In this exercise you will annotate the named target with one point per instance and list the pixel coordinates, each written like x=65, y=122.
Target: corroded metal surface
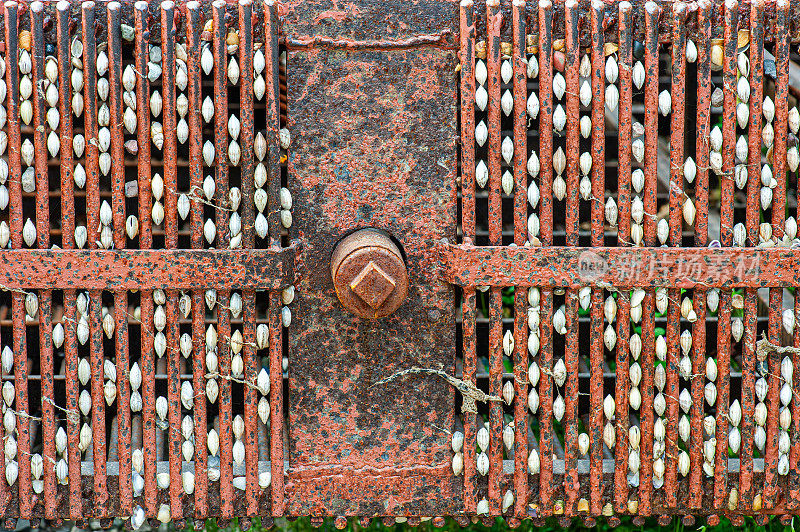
x=375, y=136
x=369, y=274
x=593, y=210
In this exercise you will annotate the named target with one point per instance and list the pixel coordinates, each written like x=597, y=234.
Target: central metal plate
x=374, y=137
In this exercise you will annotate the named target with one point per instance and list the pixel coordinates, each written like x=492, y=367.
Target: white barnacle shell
x=586, y=126
x=637, y=149
x=664, y=103
x=29, y=233
x=689, y=170
x=533, y=462
x=559, y=118
x=207, y=109
x=792, y=158
x=233, y=71
x=559, y=372
x=585, y=94
x=481, y=133
x=691, y=51
x=109, y=392
x=585, y=187
x=637, y=180
x=742, y=114
x=558, y=408
x=507, y=103
x=743, y=89
x=611, y=211
x=638, y=75
x=612, y=97
x=262, y=336
x=768, y=109
x=507, y=149
x=689, y=211
x=532, y=105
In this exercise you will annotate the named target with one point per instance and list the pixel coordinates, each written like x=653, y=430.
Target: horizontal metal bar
x=443, y=39
x=258, y=269
x=466, y=265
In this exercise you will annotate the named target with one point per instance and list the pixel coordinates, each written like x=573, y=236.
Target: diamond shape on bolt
x=373, y=285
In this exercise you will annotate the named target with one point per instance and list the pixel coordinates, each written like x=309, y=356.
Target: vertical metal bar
x=698, y=399
x=467, y=58
x=193, y=29
x=625, y=126
x=18, y=312
x=123, y=400
x=701, y=239
x=652, y=13
x=623, y=303
x=748, y=385
x=141, y=58
x=546, y=125
x=39, y=136
x=43, y=241
x=754, y=128
x=173, y=396
x=67, y=242
x=48, y=401
x=167, y=12
x=546, y=387
x=546, y=234
x=273, y=206
x=571, y=415
x=771, y=485
x=271, y=53
x=120, y=296
x=494, y=20
x=572, y=50
x=225, y=404
x=597, y=351
x=520, y=236
x=15, y=219
x=251, y=362
x=467, y=36
x=170, y=125
x=92, y=226
x=704, y=15
x=723, y=386
x=252, y=366
x=671, y=394
x=200, y=422
x=65, y=112
x=276, y=404
x=731, y=13
x=729, y=121
x=678, y=89
x=98, y=401
x=247, y=119
x=219, y=49
x=90, y=125
x=752, y=222
x=117, y=138
x=21, y=401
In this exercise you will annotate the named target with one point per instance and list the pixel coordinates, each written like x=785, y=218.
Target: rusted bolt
x=369, y=273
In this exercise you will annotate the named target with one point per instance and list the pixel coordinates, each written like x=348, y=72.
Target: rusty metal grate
x=624, y=264
x=634, y=320
x=136, y=381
